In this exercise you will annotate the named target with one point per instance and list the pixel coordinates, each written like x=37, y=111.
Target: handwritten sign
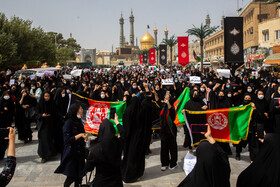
x=195, y=80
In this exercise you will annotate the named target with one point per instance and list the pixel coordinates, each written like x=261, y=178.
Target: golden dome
x=166, y=29
x=147, y=41
x=58, y=65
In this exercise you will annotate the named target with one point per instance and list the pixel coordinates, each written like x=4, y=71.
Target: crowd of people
x=46, y=101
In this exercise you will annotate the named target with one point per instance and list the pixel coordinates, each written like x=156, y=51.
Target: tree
x=272, y=1
x=171, y=42
x=8, y=49
x=201, y=33
x=64, y=54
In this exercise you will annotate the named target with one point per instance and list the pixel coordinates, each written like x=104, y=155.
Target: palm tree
x=202, y=32
x=156, y=47
x=171, y=42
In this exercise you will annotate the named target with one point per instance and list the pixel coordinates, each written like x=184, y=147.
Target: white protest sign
x=86, y=70
x=189, y=163
x=12, y=81
x=224, y=73
x=255, y=73
x=67, y=77
x=76, y=73
x=166, y=82
x=195, y=80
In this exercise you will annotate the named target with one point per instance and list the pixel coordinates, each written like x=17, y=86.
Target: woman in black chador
x=106, y=156
x=212, y=168
x=7, y=109
x=73, y=157
x=61, y=101
x=265, y=170
x=133, y=163
x=46, y=148
x=24, y=106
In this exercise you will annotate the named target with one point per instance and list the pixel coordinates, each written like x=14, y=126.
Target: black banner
x=233, y=40
x=162, y=54
x=145, y=57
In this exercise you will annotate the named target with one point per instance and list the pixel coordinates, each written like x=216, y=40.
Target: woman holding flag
x=168, y=134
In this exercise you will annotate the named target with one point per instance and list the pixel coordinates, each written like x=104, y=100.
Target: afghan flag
x=152, y=56
x=197, y=58
x=96, y=111
x=183, y=50
x=179, y=106
x=227, y=125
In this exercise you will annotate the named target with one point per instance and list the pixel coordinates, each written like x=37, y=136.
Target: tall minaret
x=166, y=33
x=155, y=32
x=121, y=31
x=208, y=20
x=222, y=22
x=131, y=20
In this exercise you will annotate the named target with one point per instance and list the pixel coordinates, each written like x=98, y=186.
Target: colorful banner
x=141, y=59
x=96, y=111
x=145, y=57
x=152, y=56
x=183, y=50
x=162, y=54
x=227, y=125
x=233, y=40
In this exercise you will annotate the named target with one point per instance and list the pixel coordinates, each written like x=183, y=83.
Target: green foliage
x=20, y=42
x=202, y=32
x=171, y=42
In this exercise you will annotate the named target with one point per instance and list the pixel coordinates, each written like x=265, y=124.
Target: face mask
x=134, y=87
x=6, y=97
x=229, y=95
x=228, y=86
x=202, y=89
x=249, y=90
x=246, y=102
x=128, y=82
x=176, y=81
x=279, y=92
x=221, y=97
x=157, y=89
x=64, y=82
x=84, y=85
x=278, y=80
x=78, y=116
x=102, y=96
x=22, y=85
x=33, y=88
x=260, y=97
x=62, y=95
x=68, y=91
x=195, y=96
x=110, y=79
x=122, y=82
x=245, y=82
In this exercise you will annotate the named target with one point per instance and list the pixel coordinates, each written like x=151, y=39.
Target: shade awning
x=273, y=59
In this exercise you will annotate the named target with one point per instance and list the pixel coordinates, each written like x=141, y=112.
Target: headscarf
x=265, y=170
x=212, y=167
x=72, y=116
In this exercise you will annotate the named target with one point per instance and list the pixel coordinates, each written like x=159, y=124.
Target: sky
x=95, y=23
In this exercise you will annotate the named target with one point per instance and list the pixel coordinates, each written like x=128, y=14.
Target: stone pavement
x=30, y=172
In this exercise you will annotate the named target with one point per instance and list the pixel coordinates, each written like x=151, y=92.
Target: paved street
x=30, y=172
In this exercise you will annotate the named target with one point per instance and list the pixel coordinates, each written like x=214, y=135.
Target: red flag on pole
x=141, y=59
x=152, y=56
x=183, y=50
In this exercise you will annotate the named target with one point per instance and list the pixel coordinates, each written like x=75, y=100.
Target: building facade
x=214, y=47
x=194, y=47
x=269, y=33
x=254, y=13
